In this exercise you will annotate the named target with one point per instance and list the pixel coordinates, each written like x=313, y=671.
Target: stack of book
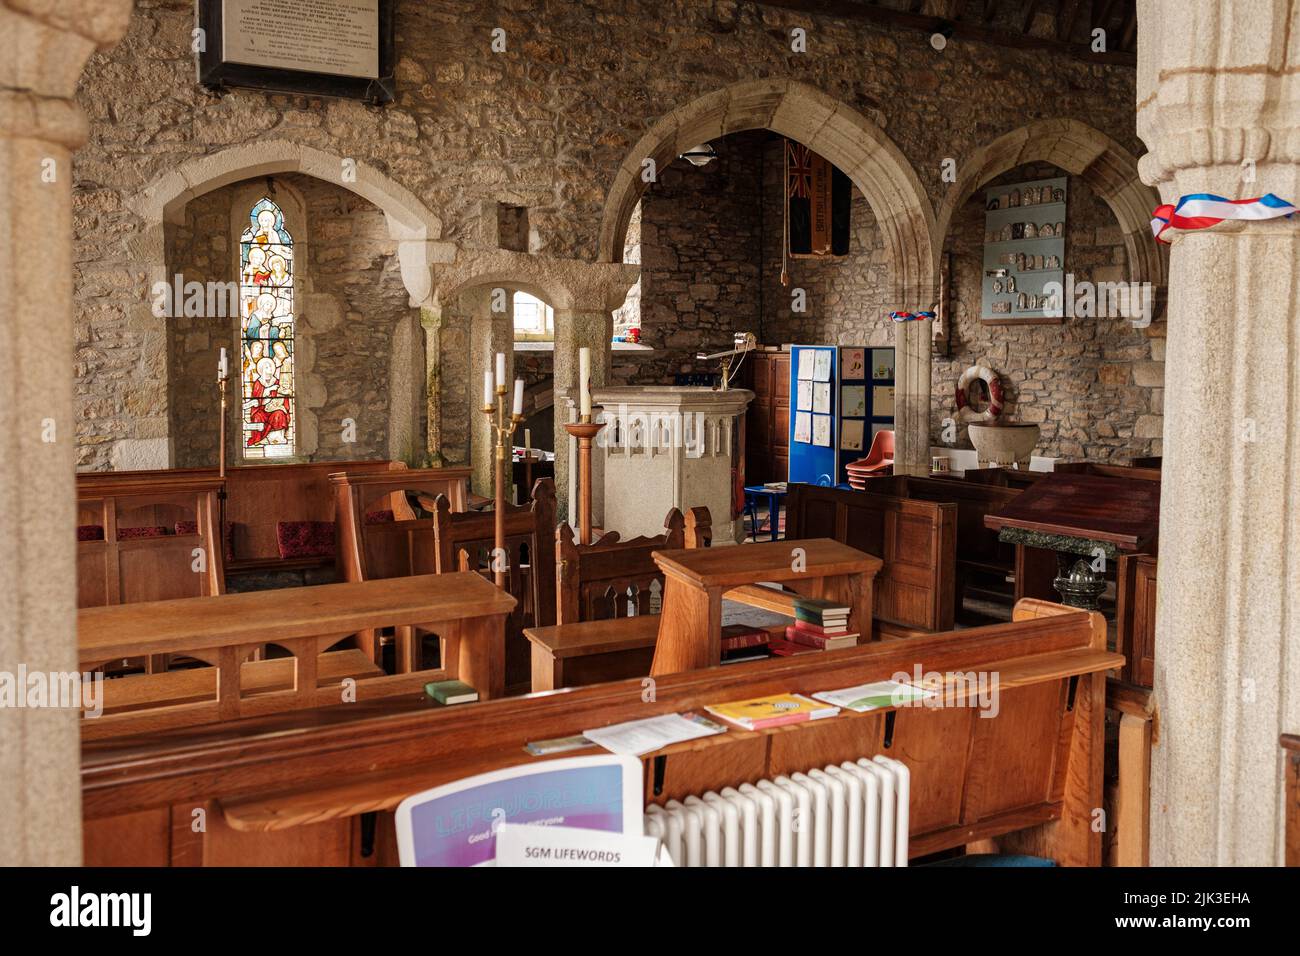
x=819, y=626
x=740, y=642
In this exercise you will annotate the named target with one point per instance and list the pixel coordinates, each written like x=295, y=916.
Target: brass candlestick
x=503, y=430
x=584, y=429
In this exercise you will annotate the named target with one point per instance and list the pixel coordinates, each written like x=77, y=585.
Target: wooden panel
x=315, y=844
x=825, y=742
x=1026, y=732
x=142, y=838
x=916, y=541
x=295, y=770
x=924, y=739
x=710, y=768
x=1291, y=754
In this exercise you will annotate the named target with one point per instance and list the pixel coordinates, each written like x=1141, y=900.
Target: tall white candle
x=488, y=392
x=528, y=441
x=501, y=369
x=584, y=381
x=223, y=367
x=519, y=397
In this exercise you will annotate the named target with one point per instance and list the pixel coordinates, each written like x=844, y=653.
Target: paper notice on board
x=822, y=397
x=822, y=430
x=804, y=398
x=882, y=401
x=806, y=365
x=853, y=401
x=853, y=363
x=851, y=435
x=803, y=427
x=822, y=365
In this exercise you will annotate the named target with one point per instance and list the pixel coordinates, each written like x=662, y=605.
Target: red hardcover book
x=818, y=641
x=784, y=648
x=738, y=636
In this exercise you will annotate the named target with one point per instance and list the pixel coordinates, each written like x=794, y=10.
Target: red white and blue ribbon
x=1202, y=210
x=910, y=316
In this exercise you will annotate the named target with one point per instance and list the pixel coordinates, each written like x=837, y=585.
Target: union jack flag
x=800, y=158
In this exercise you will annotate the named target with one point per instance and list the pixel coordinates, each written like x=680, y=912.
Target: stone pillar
x=576, y=329
x=912, y=397
x=47, y=44
x=1219, y=109
x=492, y=330
x=431, y=322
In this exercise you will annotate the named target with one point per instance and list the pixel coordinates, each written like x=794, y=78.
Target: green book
x=451, y=692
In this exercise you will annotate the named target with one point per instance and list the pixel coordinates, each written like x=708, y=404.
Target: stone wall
x=350, y=299
x=543, y=125
x=1093, y=384
x=698, y=243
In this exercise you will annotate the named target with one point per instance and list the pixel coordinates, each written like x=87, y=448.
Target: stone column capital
x=50, y=41
x=1219, y=105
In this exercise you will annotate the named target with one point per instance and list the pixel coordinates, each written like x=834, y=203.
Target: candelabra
x=503, y=430
x=584, y=429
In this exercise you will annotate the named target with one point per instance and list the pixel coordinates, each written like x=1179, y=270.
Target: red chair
x=880, y=459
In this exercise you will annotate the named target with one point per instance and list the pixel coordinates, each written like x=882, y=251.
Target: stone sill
x=526, y=346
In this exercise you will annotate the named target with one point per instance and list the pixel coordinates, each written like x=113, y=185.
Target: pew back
x=611, y=578
x=379, y=533
x=147, y=539
x=465, y=542
x=915, y=539
x=289, y=789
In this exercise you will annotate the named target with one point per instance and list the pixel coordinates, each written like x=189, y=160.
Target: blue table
x=774, y=496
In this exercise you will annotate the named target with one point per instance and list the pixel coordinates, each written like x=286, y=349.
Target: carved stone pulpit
x=666, y=447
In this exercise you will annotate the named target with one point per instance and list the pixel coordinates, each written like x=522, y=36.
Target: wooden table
x=690, y=628
x=1088, y=515
x=466, y=611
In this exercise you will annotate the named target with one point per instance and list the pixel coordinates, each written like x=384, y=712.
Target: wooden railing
x=466, y=612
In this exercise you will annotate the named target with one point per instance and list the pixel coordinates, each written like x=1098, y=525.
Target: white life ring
x=994, y=385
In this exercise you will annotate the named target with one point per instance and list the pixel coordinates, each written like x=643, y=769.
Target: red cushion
x=187, y=527
x=125, y=534
x=90, y=532
x=380, y=517
x=305, y=539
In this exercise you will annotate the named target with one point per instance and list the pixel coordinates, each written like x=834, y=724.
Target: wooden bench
x=465, y=542
x=467, y=613
x=916, y=540
x=319, y=788
x=194, y=684
x=258, y=498
x=607, y=605
x=147, y=539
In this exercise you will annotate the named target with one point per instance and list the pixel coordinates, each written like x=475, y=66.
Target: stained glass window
x=266, y=333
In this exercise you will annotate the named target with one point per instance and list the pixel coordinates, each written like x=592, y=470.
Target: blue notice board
x=866, y=402
x=814, y=414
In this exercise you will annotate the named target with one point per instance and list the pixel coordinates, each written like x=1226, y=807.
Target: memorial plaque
x=325, y=47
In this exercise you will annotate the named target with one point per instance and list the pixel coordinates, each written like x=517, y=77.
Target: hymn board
x=322, y=47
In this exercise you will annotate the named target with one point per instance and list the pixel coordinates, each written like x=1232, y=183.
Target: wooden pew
x=467, y=612
x=607, y=611
x=379, y=533
x=147, y=539
x=299, y=788
x=465, y=542
x=916, y=540
x=1131, y=830
x=1291, y=754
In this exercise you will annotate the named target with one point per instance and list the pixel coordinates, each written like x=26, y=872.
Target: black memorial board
x=341, y=48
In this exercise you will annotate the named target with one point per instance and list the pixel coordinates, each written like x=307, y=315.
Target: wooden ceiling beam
x=990, y=10
x=1129, y=32
x=964, y=29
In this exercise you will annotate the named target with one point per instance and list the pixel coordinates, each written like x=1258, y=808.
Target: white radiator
x=851, y=815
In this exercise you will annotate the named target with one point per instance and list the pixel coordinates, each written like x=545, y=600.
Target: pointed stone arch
x=1108, y=168
x=877, y=168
